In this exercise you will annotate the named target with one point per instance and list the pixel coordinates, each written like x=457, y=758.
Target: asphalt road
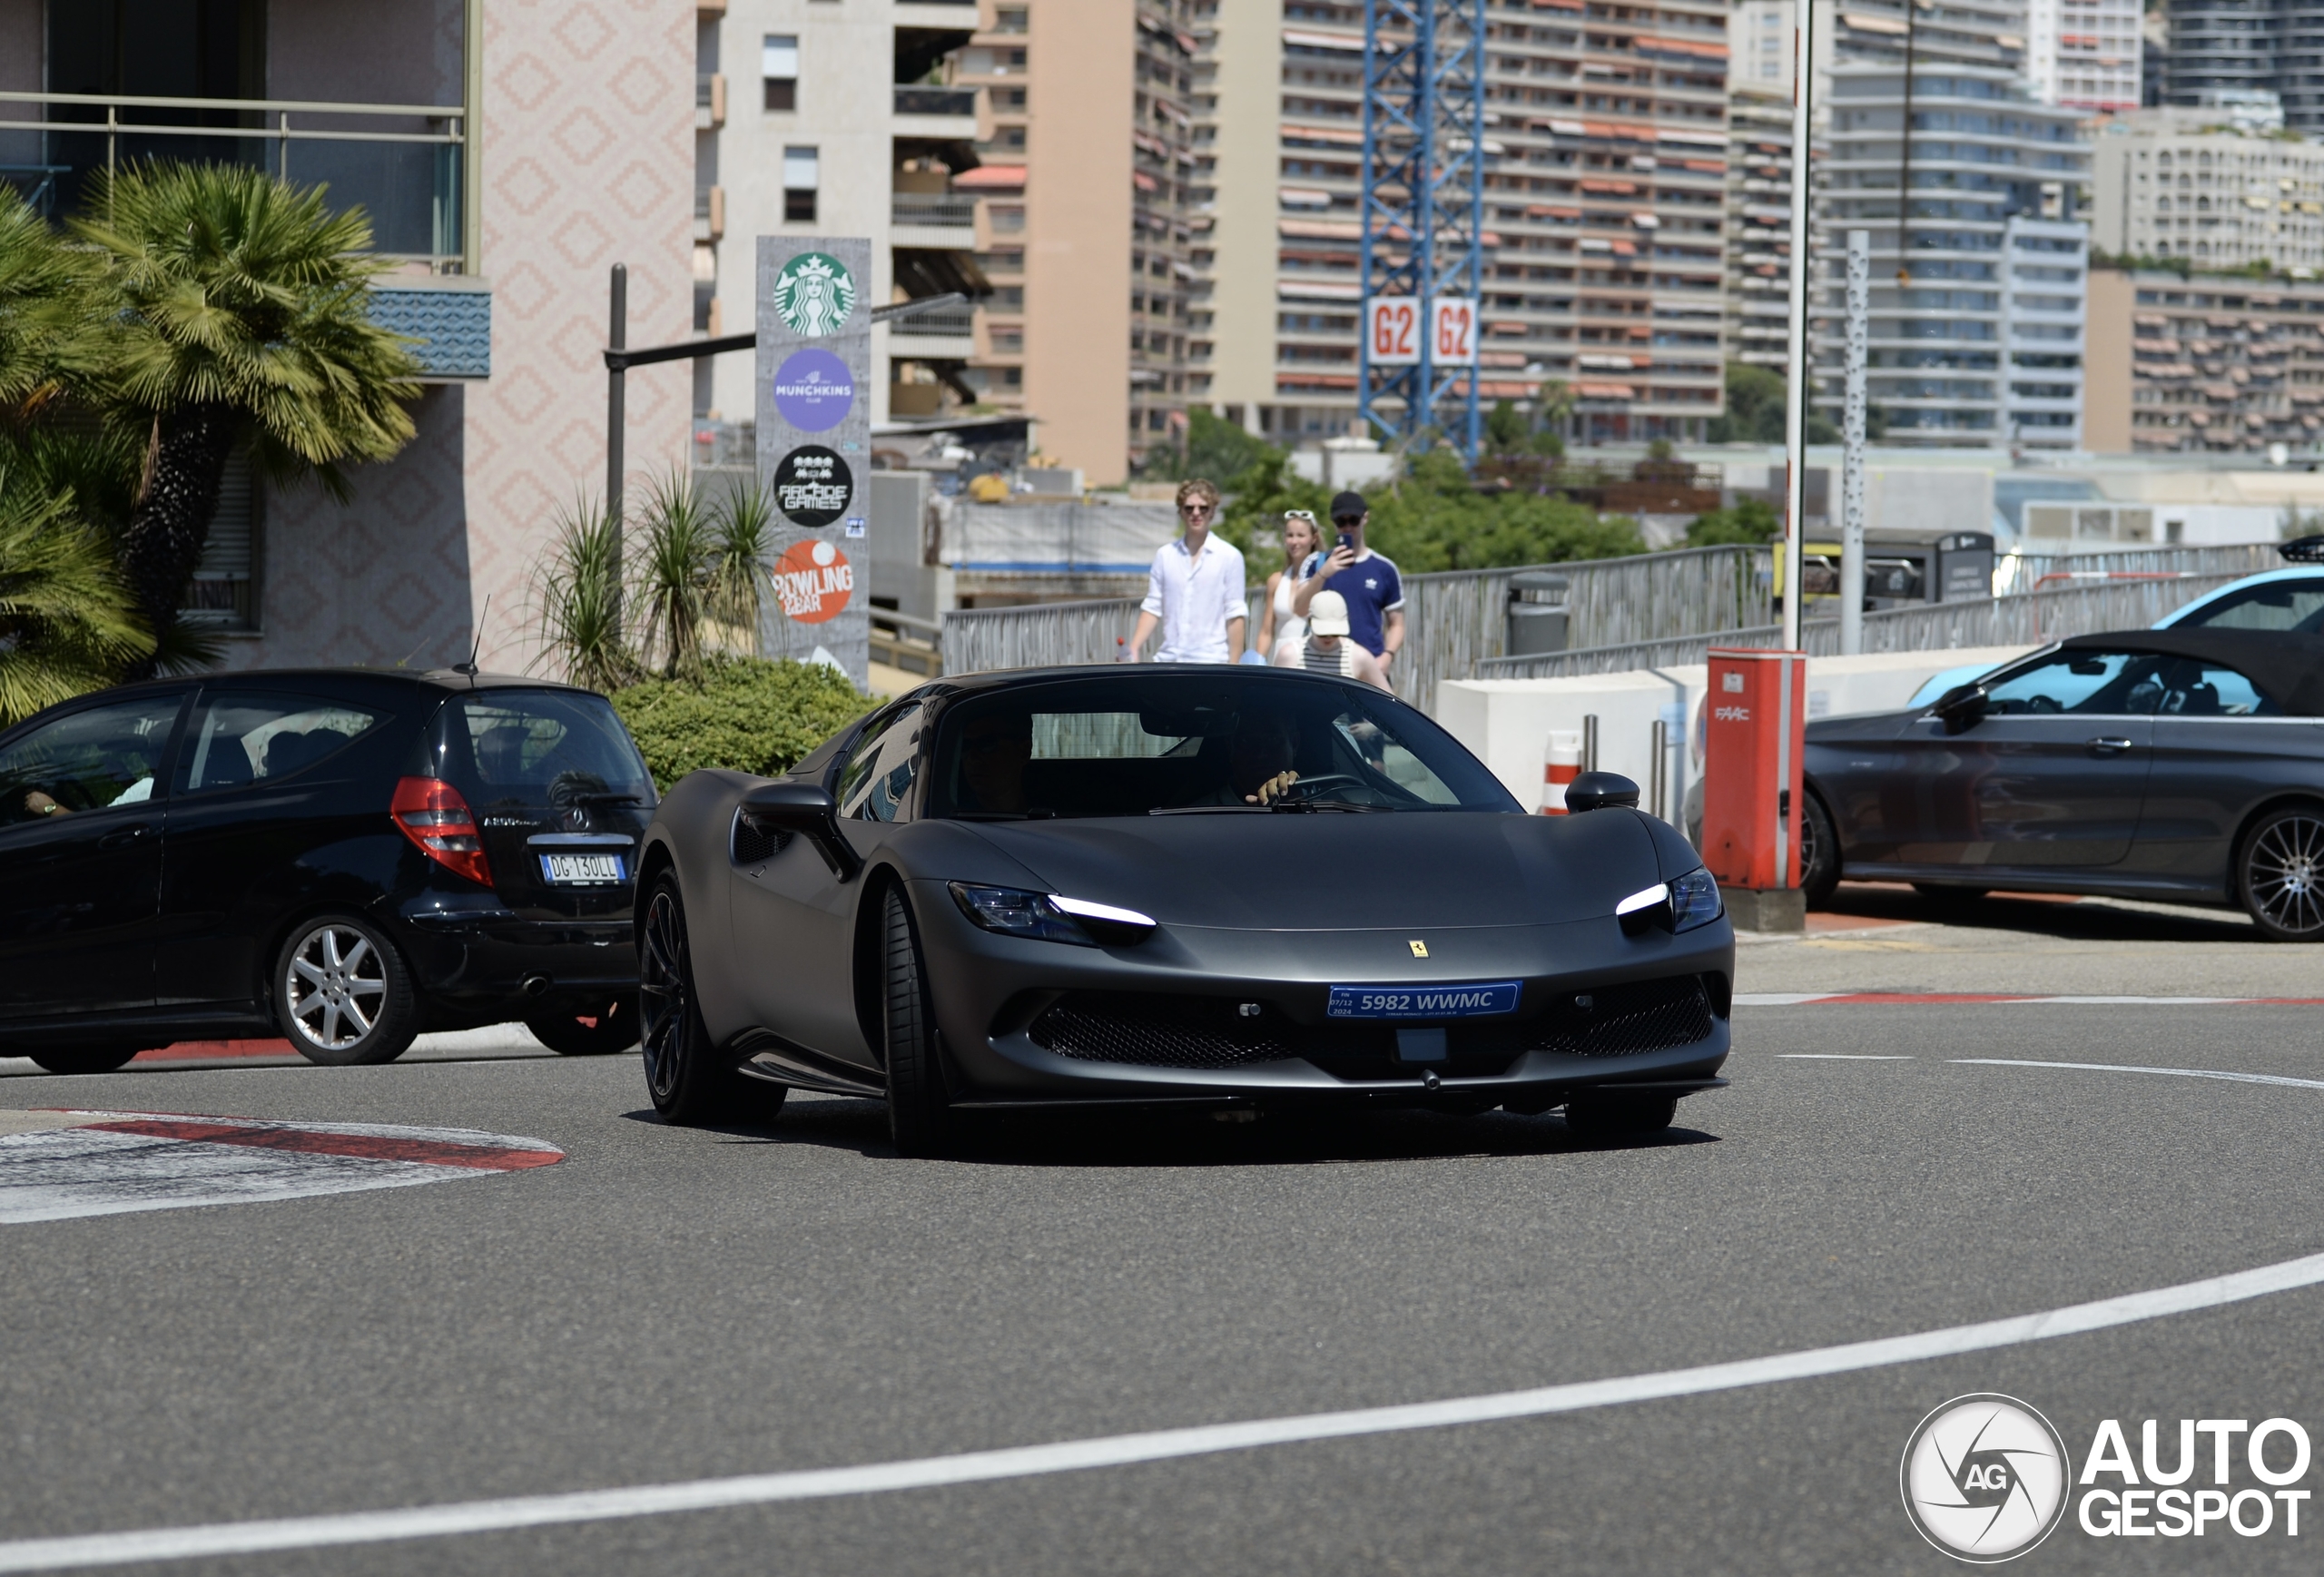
x=669, y=1304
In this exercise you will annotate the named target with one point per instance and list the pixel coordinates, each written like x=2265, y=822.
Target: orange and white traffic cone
x=1561, y=764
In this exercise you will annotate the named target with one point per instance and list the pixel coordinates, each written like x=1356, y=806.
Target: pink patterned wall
x=588, y=160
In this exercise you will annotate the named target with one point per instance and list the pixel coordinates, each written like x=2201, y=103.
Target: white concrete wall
x=1506, y=722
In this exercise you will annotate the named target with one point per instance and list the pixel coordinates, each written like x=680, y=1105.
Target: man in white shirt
x=1195, y=590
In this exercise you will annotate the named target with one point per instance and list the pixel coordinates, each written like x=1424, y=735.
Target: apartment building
x=2203, y=363
x=1978, y=33
x=2084, y=52
x=2245, y=47
x=1977, y=322
x=814, y=118
x=508, y=155
x=2179, y=183
x=1758, y=229
x=1605, y=164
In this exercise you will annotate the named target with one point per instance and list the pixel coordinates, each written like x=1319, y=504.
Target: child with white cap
x=1327, y=648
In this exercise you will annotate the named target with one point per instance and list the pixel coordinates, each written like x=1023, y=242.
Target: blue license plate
x=1458, y=1001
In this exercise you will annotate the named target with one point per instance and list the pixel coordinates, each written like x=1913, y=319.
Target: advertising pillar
x=1754, y=732
x=815, y=444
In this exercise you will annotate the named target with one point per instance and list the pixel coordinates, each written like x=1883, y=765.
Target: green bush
x=743, y=714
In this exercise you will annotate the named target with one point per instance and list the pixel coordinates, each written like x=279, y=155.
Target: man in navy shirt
x=1365, y=580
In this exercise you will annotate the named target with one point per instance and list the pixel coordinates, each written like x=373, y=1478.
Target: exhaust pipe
x=537, y=985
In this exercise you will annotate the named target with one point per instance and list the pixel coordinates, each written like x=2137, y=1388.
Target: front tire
x=613, y=1027
x=1819, y=852
x=918, y=1123
x=686, y=1077
x=2280, y=874
x=1613, y=1114
x=342, y=996
x=84, y=1058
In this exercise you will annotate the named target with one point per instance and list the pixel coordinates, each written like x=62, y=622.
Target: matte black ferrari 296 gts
x=1232, y=886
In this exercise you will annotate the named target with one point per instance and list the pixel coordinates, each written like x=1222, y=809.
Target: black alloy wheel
x=1819, y=851
x=84, y=1058
x=2280, y=874
x=599, y=1029
x=1601, y=1117
x=686, y=1077
x=918, y=1124
x=342, y=996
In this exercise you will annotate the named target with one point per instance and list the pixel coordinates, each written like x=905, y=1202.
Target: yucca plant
x=67, y=625
x=742, y=541
x=233, y=304
x=577, y=602
x=673, y=584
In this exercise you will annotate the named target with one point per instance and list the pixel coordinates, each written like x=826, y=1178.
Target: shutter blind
x=222, y=594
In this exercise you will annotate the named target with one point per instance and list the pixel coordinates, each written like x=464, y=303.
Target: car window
x=2274, y=604
x=545, y=747
x=104, y=755
x=2202, y=689
x=241, y=738
x=2095, y=683
x=878, y=774
x=1129, y=745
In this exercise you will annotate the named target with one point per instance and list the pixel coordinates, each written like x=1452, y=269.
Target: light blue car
x=2292, y=598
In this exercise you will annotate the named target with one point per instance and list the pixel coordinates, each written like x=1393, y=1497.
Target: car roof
x=1013, y=678
x=2285, y=666
x=2289, y=572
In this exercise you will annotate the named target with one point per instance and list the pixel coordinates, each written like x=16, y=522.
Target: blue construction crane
x=1424, y=214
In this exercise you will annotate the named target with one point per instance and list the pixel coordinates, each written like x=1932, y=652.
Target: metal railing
x=933, y=208
x=2025, y=619
x=2023, y=570
x=935, y=101
x=408, y=181
x=940, y=323
x=977, y=640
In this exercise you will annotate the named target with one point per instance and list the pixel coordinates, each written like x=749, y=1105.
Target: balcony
x=936, y=221
x=403, y=164
x=709, y=212
x=709, y=101
x=940, y=324
x=919, y=100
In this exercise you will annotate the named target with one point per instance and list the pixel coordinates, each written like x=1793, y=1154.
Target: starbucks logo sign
x=815, y=293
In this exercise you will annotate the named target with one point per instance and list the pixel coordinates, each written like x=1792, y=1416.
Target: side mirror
x=1962, y=708
x=1595, y=791
x=808, y=810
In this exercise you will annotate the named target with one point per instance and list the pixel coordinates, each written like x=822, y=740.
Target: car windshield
x=1159, y=743
x=552, y=747
x=2272, y=605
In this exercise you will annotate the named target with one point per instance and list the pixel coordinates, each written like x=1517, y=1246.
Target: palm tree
x=235, y=306
x=67, y=625
x=44, y=312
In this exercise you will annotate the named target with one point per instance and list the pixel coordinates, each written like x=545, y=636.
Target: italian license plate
x=1457, y=1001
x=580, y=869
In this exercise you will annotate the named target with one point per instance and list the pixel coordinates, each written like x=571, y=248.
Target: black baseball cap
x=1349, y=507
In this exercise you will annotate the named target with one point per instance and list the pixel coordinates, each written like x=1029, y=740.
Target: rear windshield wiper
x=604, y=799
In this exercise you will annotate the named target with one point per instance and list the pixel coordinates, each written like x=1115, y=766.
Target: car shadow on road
x=1097, y=1139
x=2064, y=918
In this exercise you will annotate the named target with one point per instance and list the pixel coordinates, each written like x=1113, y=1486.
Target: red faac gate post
x=1754, y=733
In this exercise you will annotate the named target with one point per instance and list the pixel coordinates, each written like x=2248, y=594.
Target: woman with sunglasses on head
x=1278, y=624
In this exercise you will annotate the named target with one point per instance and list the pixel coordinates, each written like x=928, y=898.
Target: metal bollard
x=1659, y=771
x=1590, y=742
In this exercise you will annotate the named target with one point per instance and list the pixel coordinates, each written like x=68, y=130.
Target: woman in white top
x=1278, y=625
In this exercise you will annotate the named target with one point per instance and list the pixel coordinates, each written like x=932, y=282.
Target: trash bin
x=1538, y=615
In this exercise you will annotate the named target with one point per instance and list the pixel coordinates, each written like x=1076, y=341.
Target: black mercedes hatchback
x=341, y=857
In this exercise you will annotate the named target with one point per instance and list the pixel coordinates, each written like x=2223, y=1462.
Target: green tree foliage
x=1509, y=431
x=1436, y=518
x=1755, y=409
x=67, y=625
x=1218, y=449
x=1751, y=520
x=225, y=304
x=743, y=714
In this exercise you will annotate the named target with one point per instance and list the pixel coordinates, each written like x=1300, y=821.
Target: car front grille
x=1156, y=1031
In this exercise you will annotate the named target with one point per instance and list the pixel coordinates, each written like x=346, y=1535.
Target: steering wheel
x=2044, y=706
x=1305, y=787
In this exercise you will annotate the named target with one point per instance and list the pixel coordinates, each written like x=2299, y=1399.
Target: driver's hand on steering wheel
x=1274, y=789
x=40, y=802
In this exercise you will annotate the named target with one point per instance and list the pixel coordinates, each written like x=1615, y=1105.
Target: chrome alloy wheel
x=662, y=994
x=2284, y=873
x=336, y=986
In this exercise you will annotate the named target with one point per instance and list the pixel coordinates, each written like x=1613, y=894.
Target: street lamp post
x=1795, y=408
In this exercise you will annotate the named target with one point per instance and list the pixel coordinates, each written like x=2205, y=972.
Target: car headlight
x=1014, y=913
x=1694, y=900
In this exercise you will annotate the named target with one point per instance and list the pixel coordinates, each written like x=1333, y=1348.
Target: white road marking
x=2129, y=1068
x=212, y=1540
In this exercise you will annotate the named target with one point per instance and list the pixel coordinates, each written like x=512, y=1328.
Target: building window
x=799, y=184
x=223, y=594
x=779, y=66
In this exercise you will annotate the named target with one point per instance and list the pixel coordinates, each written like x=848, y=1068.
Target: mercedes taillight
x=432, y=815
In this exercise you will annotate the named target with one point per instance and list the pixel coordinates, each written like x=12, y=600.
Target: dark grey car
x=2185, y=765
x=1170, y=885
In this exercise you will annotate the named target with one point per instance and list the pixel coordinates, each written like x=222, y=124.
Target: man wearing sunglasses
x=1195, y=590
